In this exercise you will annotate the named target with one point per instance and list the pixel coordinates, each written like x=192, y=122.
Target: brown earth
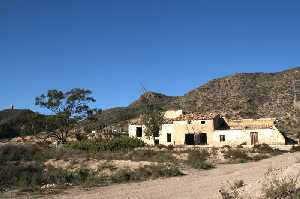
x=197, y=184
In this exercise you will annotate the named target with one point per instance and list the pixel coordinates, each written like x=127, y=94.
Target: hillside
x=15, y=122
x=242, y=95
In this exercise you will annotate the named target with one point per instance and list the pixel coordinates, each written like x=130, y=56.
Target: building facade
x=209, y=129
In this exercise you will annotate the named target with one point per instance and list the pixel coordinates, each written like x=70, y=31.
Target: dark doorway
x=139, y=132
x=189, y=139
x=169, y=137
x=156, y=142
x=201, y=139
x=254, y=138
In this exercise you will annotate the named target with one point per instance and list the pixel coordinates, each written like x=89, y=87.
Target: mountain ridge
x=241, y=95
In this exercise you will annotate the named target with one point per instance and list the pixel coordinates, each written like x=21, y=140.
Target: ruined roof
x=196, y=116
x=135, y=121
x=182, y=117
x=251, y=123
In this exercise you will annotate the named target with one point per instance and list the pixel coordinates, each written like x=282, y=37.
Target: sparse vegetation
x=265, y=148
x=236, y=155
x=123, y=143
x=22, y=166
x=295, y=149
x=232, y=192
x=152, y=156
x=274, y=187
x=198, y=160
x=281, y=188
x=146, y=172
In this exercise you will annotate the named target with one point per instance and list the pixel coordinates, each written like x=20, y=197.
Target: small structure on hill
x=210, y=129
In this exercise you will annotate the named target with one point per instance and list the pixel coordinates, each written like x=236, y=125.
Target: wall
x=236, y=137
x=232, y=137
x=165, y=129
x=182, y=127
x=132, y=133
x=172, y=114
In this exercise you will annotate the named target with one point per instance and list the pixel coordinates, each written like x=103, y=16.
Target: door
x=189, y=139
x=201, y=139
x=254, y=138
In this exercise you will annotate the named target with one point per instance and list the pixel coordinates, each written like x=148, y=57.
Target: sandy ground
x=196, y=184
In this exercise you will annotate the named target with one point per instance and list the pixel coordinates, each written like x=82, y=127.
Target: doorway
x=189, y=139
x=201, y=139
x=254, y=138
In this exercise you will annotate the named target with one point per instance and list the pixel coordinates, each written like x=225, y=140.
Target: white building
x=209, y=129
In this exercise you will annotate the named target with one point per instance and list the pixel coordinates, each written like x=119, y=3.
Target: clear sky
x=114, y=46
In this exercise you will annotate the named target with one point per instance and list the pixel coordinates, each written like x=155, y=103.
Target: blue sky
x=114, y=46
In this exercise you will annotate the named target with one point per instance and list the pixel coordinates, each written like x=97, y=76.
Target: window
x=139, y=132
x=222, y=138
x=202, y=122
x=168, y=137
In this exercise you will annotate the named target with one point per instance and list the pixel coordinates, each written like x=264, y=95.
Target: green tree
x=152, y=116
x=68, y=109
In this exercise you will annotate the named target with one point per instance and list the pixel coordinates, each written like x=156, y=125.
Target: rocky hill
x=16, y=122
x=242, y=95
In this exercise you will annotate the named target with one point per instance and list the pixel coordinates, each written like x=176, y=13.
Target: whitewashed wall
x=132, y=133
x=165, y=129
x=236, y=137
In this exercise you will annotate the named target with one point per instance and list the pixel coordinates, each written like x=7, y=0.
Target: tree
x=152, y=116
x=68, y=108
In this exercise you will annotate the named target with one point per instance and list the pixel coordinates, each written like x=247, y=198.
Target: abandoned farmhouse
x=209, y=129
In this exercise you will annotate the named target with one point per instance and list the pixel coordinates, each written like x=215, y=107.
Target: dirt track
x=196, y=184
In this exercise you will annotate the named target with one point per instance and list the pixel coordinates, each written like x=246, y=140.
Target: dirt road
x=196, y=184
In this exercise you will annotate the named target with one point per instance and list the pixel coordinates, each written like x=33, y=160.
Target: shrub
x=116, y=144
x=265, y=148
x=198, y=160
x=233, y=191
x=279, y=188
x=295, y=149
x=152, y=156
x=22, y=152
x=162, y=170
x=237, y=155
x=146, y=172
x=170, y=147
x=260, y=157
x=13, y=174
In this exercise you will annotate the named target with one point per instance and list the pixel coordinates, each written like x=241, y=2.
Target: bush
x=152, y=156
x=281, y=188
x=116, y=144
x=198, y=160
x=233, y=191
x=22, y=152
x=265, y=148
x=13, y=174
x=295, y=149
x=237, y=155
x=146, y=172
x=260, y=157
